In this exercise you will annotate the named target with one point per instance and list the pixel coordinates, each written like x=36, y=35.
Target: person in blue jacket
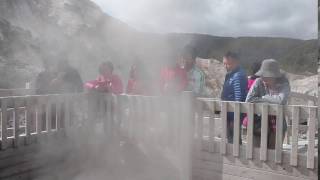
x=234, y=87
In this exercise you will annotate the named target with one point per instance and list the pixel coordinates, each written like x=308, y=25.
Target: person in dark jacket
x=42, y=83
x=67, y=79
x=234, y=87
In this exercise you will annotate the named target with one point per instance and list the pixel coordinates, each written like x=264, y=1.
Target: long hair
x=255, y=67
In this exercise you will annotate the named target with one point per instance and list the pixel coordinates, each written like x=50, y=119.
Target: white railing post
x=199, y=109
x=311, y=137
x=279, y=134
x=119, y=113
x=29, y=105
x=131, y=117
x=17, y=103
x=236, y=129
x=48, y=115
x=223, y=143
x=4, y=121
x=212, y=128
x=67, y=115
x=264, y=132
x=187, y=134
x=250, y=116
x=295, y=131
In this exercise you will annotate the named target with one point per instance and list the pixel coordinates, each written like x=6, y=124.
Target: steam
x=151, y=150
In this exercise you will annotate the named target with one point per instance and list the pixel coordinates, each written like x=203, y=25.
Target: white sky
x=272, y=18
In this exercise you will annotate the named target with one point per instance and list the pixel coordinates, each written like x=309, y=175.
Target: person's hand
x=56, y=82
x=58, y=79
x=104, y=87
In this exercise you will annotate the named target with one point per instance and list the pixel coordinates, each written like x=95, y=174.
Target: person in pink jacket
x=254, y=69
x=251, y=79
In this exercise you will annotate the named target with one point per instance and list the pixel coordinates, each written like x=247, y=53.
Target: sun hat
x=269, y=68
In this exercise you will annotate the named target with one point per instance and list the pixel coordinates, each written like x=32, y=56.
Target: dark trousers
x=271, y=131
x=230, y=125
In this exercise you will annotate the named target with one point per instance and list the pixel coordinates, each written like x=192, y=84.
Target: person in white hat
x=272, y=87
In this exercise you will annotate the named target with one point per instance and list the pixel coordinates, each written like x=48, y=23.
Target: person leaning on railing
x=173, y=78
x=106, y=82
x=139, y=80
x=274, y=88
x=195, y=76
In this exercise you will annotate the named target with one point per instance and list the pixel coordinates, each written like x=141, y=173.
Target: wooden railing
x=296, y=98
x=28, y=119
x=173, y=126
x=217, y=111
x=16, y=92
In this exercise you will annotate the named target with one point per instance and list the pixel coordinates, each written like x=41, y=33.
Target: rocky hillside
x=19, y=55
x=33, y=31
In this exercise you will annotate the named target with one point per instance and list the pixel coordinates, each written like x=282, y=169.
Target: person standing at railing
x=234, y=87
x=107, y=81
x=255, y=67
x=67, y=78
x=173, y=78
x=138, y=80
x=44, y=78
x=58, y=78
x=274, y=88
x=195, y=76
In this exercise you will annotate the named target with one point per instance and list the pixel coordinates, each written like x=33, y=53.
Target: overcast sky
x=275, y=18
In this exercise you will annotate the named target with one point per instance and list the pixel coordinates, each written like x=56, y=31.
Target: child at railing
x=272, y=87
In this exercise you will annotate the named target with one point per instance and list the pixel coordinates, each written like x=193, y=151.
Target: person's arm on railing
x=280, y=98
x=253, y=95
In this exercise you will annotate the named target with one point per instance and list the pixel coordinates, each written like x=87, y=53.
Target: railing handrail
x=303, y=96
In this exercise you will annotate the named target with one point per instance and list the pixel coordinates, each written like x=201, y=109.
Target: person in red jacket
x=106, y=81
x=173, y=79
